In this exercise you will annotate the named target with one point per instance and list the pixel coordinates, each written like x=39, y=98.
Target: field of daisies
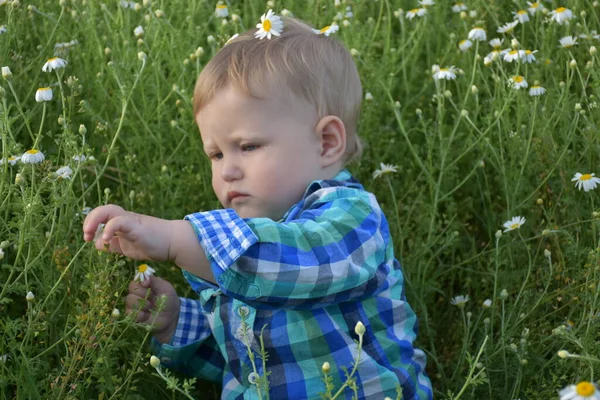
x=481, y=125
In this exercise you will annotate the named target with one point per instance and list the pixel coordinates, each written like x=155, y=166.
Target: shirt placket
x=245, y=341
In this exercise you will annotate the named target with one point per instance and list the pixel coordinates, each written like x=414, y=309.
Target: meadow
x=481, y=128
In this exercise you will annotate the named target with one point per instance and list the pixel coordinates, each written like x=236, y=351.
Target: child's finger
x=122, y=224
x=99, y=215
x=112, y=246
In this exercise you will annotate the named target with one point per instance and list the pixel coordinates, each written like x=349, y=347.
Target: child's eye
x=216, y=156
x=250, y=147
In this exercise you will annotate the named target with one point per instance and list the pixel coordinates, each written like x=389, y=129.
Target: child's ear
x=332, y=135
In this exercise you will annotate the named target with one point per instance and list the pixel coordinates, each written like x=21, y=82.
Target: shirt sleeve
x=192, y=349
x=335, y=250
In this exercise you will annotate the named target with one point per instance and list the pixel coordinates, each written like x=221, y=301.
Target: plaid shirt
x=307, y=279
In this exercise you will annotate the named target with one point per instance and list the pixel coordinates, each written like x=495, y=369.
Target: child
x=300, y=253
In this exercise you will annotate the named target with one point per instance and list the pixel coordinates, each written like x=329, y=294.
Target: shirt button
x=253, y=378
x=243, y=311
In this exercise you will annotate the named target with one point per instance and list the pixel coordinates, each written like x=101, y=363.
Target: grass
x=471, y=153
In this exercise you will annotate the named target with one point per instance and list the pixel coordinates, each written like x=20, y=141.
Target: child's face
x=265, y=150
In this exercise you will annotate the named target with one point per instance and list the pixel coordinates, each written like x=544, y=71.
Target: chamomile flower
x=521, y=16
x=127, y=4
x=426, y=3
x=517, y=82
x=416, y=12
x=568, y=41
x=528, y=56
x=477, y=33
x=32, y=156
x=385, y=169
x=496, y=43
x=54, y=63
x=465, y=45
x=43, y=94
x=459, y=301
x=221, y=10
x=534, y=7
x=12, y=160
x=561, y=15
x=487, y=303
x=269, y=25
x=80, y=157
x=586, y=182
x=138, y=31
x=64, y=172
x=144, y=271
x=508, y=27
x=582, y=391
x=592, y=35
x=514, y=223
x=445, y=73
x=2, y=29
x=536, y=90
x=459, y=6
x=513, y=55
x=328, y=30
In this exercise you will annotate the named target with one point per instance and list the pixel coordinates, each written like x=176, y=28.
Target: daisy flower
x=445, y=73
x=528, y=56
x=521, y=16
x=6, y=72
x=43, y=94
x=496, y=43
x=2, y=29
x=477, y=33
x=560, y=15
x=32, y=156
x=586, y=182
x=487, y=303
x=12, y=160
x=465, y=45
x=269, y=25
x=536, y=90
x=458, y=7
x=568, y=41
x=328, y=30
x=416, y=12
x=144, y=271
x=64, y=172
x=385, y=169
x=517, y=82
x=582, y=391
x=534, y=7
x=508, y=27
x=592, y=35
x=514, y=223
x=138, y=31
x=127, y=4
x=54, y=63
x=221, y=10
x=513, y=55
x=426, y=3
x=459, y=301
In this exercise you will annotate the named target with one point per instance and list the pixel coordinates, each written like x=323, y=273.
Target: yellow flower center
x=514, y=226
x=12, y=158
x=221, y=7
x=585, y=389
x=585, y=177
x=561, y=10
x=325, y=29
x=535, y=5
x=414, y=10
x=513, y=52
x=478, y=28
x=443, y=69
x=43, y=89
x=52, y=59
x=142, y=268
x=535, y=87
x=528, y=52
x=462, y=42
x=267, y=25
x=521, y=12
x=32, y=151
x=518, y=79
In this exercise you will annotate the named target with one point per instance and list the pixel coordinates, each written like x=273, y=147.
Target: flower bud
x=142, y=56
x=503, y=294
x=159, y=13
x=19, y=180
x=1, y=254
x=115, y=313
x=539, y=201
x=593, y=52
x=514, y=43
x=474, y=89
x=487, y=303
x=464, y=113
x=547, y=253
x=30, y=296
x=419, y=112
x=573, y=64
x=463, y=15
x=155, y=361
x=359, y=329
x=4, y=244
x=563, y=354
x=354, y=52
x=6, y=73
x=577, y=106
x=82, y=129
x=498, y=234
x=107, y=51
x=326, y=367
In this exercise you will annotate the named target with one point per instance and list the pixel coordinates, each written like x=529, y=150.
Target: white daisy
x=477, y=33
x=32, y=156
x=64, y=172
x=458, y=7
x=521, y=16
x=349, y=13
x=138, y=31
x=586, y=182
x=568, y=41
x=12, y=160
x=560, y=15
x=496, y=43
x=514, y=223
x=517, y=82
x=2, y=29
x=385, y=169
x=582, y=391
x=528, y=57
x=368, y=96
x=127, y=4
x=536, y=90
x=269, y=25
x=43, y=94
x=487, y=303
x=508, y=27
x=459, y=301
x=465, y=45
x=492, y=56
x=416, y=12
x=445, y=73
x=534, y=7
x=426, y=3
x=513, y=55
x=54, y=63
x=144, y=271
x=6, y=72
x=592, y=35
x=79, y=158
x=328, y=30
x=221, y=10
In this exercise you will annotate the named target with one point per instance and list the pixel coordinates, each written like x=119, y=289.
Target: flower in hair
x=328, y=30
x=270, y=24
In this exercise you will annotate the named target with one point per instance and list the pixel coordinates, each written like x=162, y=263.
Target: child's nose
x=230, y=171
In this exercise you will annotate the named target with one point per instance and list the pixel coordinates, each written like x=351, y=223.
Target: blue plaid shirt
x=307, y=279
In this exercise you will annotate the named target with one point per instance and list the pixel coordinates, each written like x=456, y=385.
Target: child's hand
x=152, y=289
x=136, y=236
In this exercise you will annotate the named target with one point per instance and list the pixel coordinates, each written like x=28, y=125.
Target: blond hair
x=314, y=67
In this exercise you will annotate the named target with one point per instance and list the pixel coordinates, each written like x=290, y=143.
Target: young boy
x=299, y=248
